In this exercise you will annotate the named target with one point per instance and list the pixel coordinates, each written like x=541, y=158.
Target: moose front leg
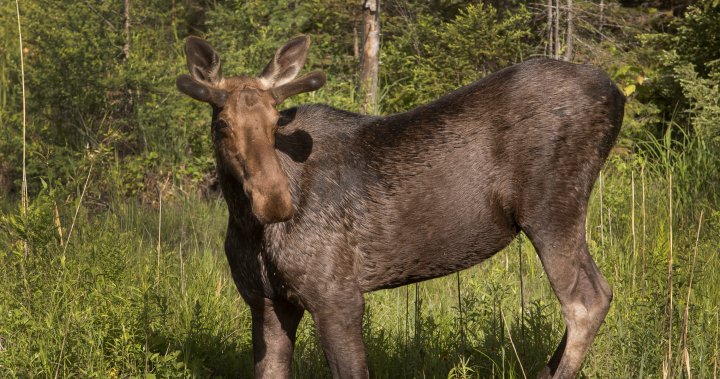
x=339, y=325
x=274, y=323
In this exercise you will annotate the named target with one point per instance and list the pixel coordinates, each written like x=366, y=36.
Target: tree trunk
x=128, y=103
x=557, y=30
x=550, y=27
x=356, y=44
x=570, y=31
x=602, y=18
x=126, y=46
x=370, y=55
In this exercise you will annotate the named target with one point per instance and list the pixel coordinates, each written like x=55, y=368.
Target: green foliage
x=692, y=45
x=685, y=92
x=703, y=95
x=98, y=100
x=247, y=33
x=83, y=93
x=436, y=56
x=697, y=38
x=115, y=301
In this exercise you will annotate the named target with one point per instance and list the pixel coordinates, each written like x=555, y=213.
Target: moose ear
x=202, y=61
x=200, y=91
x=310, y=82
x=205, y=71
x=287, y=62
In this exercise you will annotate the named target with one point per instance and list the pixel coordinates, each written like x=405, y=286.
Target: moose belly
x=433, y=239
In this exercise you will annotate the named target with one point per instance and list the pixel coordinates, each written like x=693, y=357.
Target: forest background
x=111, y=225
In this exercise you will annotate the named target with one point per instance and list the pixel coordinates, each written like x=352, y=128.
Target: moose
x=326, y=205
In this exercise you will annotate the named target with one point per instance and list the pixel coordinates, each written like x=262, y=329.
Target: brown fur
x=326, y=205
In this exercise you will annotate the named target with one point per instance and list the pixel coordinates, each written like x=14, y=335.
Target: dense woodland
x=111, y=225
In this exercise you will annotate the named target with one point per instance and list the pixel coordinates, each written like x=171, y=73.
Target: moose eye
x=219, y=124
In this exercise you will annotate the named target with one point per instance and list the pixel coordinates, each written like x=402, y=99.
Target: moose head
x=245, y=118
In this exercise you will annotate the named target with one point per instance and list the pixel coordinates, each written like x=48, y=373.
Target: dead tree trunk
x=126, y=29
x=370, y=59
x=557, y=30
x=570, y=31
x=602, y=17
x=356, y=44
x=550, y=27
x=128, y=104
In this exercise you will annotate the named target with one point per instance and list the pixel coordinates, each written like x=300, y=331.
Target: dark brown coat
x=347, y=204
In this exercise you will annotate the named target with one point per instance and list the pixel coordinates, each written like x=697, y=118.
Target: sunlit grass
x=105, y=310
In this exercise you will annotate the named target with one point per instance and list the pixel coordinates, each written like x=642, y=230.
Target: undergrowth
x=143, y=290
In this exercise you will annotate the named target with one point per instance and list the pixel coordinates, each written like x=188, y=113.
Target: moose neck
x=302, y=132
x=239, y=205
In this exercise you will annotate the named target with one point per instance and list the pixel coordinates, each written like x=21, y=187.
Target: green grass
x=111, y=304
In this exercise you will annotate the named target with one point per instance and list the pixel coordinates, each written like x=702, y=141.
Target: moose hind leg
x=274, y=323
x=583, y=292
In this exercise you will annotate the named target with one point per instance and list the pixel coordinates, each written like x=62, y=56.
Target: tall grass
x=144, y=290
